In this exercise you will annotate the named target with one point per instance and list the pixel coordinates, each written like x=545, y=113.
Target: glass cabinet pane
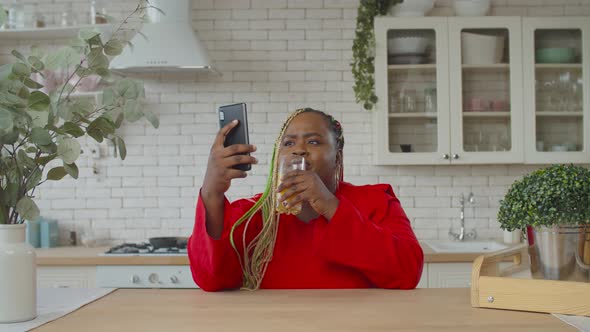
x=411, y=88
x=485, y=81
x=558, y=90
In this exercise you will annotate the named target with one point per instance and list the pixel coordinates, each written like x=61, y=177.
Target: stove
x=144, y=274
x=145, y=249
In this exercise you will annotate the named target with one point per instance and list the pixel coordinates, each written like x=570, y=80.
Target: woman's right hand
x=220, y=169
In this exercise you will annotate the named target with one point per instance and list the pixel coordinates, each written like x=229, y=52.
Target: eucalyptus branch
x=59, y=98
x=22, y=175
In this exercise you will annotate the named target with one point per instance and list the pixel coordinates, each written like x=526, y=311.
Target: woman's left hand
x=306, y=186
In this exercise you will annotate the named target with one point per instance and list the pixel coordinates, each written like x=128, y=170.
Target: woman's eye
x=313, y=141
x=287, y=143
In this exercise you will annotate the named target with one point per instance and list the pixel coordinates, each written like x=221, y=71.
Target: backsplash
x=276, y=55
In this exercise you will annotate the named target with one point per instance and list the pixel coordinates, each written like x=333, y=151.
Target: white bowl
x=471, y=7
x=406, y=45
x=412, y=8
x=479, y=49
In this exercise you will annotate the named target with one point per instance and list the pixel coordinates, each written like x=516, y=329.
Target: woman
x=345, y=236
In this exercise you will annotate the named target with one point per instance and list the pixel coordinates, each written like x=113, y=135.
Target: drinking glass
x=289, y=163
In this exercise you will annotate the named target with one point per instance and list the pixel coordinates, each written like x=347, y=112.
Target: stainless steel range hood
x=170, y=43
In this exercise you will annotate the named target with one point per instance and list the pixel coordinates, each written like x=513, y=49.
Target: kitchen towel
x=580, y=322
x=53, y=303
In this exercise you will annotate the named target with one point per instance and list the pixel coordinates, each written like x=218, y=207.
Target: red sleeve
x=214, y=263
x=376, y=239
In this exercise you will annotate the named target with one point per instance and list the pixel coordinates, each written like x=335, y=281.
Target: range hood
x=170, y=43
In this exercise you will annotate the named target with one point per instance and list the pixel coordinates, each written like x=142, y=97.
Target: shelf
x=558, y=66
x=50, y=32
x=493, y=66
x=427, y=66
x=85, y=94
x=413, y=115
x=486, y=114
x=559, y=114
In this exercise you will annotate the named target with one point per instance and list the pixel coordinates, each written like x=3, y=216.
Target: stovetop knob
x=135, y=279
x=174, y=279
x=153, y=278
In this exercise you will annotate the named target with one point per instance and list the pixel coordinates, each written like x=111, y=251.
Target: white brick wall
x=277, y=55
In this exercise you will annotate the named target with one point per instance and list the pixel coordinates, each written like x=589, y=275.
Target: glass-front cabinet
x=556, y=86
x=449, y=90
x=481, y=90
x=485, y=79
x=411, y=82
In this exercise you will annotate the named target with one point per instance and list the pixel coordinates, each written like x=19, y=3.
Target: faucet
x=462, y=235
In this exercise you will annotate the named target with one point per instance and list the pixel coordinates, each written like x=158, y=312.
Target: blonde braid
x=262, y=246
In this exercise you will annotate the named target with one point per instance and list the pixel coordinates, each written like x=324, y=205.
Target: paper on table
x=53, y=303
x=582, y=323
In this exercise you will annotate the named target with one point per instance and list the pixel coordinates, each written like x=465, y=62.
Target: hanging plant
x=363, y=50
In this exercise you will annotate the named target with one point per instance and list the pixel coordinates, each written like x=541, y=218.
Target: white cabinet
x=66, y=276
x=449, y=275
x=466, y=90
x=441, y=105
x=19, y=35
x=424, y=278
x=556, y=89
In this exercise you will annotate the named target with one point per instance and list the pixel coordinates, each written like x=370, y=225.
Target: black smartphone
x=239, y=134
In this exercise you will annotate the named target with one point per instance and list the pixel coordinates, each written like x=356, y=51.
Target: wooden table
x=433, y=309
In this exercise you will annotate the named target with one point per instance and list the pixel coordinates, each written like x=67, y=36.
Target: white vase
x=18, y=276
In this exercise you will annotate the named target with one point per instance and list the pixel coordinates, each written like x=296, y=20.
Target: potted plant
x=39, y=132
x=363, y=50
x=553, y=205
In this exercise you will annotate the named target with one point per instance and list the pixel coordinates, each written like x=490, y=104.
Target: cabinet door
x=411, y=79
x=449, y=275
x=66, y=276
x=424, y=278
x=557, y=86
x=485, y=65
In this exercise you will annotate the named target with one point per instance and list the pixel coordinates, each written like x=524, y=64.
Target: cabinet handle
x=455, y=156
x=446, y=156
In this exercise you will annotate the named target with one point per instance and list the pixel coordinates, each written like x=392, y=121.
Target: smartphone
x=239, y=134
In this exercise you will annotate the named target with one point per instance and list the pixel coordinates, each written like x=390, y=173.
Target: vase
x=560, y=252
x=18, y=276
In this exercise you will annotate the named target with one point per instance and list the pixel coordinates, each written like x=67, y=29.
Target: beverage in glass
x=288, y=163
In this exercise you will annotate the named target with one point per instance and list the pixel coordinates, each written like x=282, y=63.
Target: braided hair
x=258, y=253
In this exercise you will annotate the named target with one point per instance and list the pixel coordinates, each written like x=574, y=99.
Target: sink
x=467, y=246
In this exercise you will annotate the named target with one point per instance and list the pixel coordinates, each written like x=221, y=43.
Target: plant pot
x=18, y=276
x=560, y=252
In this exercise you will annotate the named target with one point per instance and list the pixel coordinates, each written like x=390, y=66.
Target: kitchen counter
x=82, y=256
x=297, y=310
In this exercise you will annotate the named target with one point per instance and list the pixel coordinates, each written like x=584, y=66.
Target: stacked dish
x=555, y=55
x=407, y=49
x=481, y=49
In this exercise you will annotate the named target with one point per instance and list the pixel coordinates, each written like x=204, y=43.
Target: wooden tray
x=512, y=287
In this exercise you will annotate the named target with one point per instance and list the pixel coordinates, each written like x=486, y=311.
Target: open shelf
x=50, y=32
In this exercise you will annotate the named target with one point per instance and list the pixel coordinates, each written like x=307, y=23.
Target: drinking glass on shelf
x=564, y=90
x=289, y=163
x=408, y=100
x=576, y=104
x=430, y=100
x=394, y=102
x=68, y=18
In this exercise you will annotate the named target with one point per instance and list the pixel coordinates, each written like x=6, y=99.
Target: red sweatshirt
x=368, y=243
